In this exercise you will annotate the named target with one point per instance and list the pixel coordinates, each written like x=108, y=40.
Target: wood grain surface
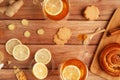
x=75, y=21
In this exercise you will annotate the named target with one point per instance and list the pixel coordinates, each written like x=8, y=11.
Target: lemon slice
x=21, y=52
x=10, y=44
x=43, y=56
x=40, y=71
x=53, y=7
x=71, y=72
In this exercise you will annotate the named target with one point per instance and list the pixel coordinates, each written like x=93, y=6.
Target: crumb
x=9, y=62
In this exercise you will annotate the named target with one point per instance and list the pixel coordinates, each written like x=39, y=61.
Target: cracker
x=59, y=41
x=91, y=12
x=64, y=33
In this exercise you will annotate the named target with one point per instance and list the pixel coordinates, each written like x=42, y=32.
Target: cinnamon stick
x=114, y=31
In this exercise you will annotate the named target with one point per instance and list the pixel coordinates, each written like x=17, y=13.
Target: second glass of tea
x=55, y=9
x=73, y=69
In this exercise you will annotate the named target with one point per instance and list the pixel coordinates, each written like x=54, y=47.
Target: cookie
x=59, y=41
x=64, y=33
x=91, y=12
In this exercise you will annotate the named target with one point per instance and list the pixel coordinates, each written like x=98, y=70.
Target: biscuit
x=91, y=12
x=64, y=33
x=59, y=41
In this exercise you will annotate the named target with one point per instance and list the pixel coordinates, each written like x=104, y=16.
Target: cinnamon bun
x=110, y=59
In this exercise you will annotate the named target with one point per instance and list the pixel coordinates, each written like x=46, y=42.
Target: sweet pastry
x=59, y=41
x=64, y=33
x=110, y=59
x=62, y=36
x=91, y=12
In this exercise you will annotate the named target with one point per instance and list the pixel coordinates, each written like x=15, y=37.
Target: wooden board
x=95, y=67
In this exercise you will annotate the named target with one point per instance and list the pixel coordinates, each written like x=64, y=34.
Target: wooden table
x=60, y=53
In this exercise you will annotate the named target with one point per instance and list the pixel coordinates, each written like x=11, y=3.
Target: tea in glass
x=73, y=69
x=55, y=9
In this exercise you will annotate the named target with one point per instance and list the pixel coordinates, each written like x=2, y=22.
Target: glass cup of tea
x=55, y=9
x=73, y=69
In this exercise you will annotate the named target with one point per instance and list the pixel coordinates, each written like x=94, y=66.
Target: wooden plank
x=95, y=68
x=30, y=11
x=53, y=75
x=59, y=55
x=50, y=27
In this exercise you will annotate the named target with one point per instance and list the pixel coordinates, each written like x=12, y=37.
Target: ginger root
x=13, y=8
x=1, y=1
x=3, y=9
x=12, y=1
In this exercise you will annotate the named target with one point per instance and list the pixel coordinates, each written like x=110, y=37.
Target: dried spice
x=19, y=74
x=82, y=37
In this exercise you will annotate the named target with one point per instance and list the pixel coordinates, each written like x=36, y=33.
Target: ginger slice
x=27, y=34
x=40, y=31
x=11, y=27
x=25, y=22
